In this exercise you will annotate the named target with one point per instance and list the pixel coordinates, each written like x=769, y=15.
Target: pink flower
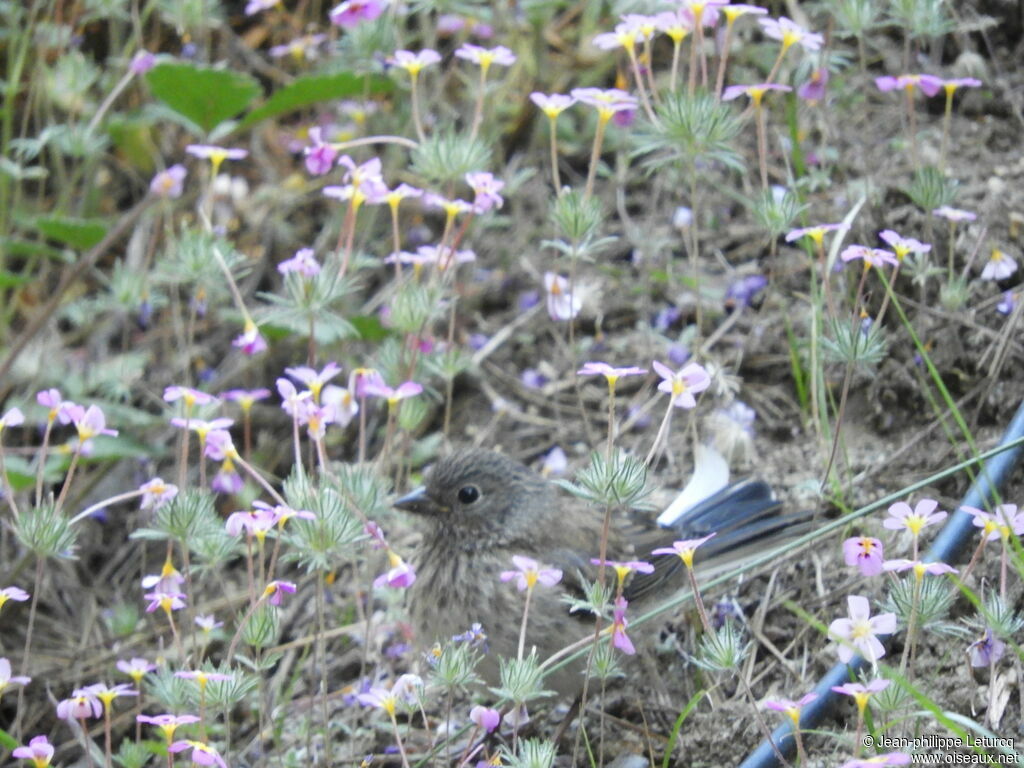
x=216, y=155
x=300, y=48
x=960, y=82
x=901, y=516
x=202, y=677
x=684, y=384
x=208, y=623
x=929, y=84
x=39, y=751
x=91, y=423
x=623, y=569
x=1004, y=518
x=404, y=390
x=529, y=573
x=82, y=704
x=349, y=14
x=167, y=723
x=401, y=575
x=245, y=397
x=816, y=233
x=858, y=632
x=257, y=522
x=251, y=342
x=13, y=418
x=999, y=266
x=135, y=668
x=485, y=718
x=7, y=679
x=314, y=380
x=619, y=637
x=789, y=33
x=873, y=257
x=789, y=707
x=188, y=395
x=685, y=549
x=202, y=754
x=865, y=553
x=170, y=183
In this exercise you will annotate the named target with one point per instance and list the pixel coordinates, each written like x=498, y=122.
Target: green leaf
x=14, y=246
x=314, y=89
x=78, y=233
x=204, y=95
x=369, y=328
x=11, y=280
x=134, y=141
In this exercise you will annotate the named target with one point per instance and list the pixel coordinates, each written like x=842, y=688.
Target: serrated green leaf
x=313, y=89
x=78, y=233
x=204, y=95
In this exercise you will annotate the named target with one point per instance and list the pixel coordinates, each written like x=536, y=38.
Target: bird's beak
x=418, y=502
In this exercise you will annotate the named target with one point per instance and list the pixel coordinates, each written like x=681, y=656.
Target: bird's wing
x=746, y=520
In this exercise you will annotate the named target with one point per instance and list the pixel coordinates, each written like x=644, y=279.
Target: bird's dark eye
x=468, y=494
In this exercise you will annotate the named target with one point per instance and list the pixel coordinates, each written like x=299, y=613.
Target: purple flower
x=216, y=155
x=168, y=601
x=684, y=548
x=320, y=154
x=529, y=572
x=903, y=245
x=552, y=104
x=251, y=342
x=889, y=758
x=624, y=568
x=485, y=718
x=91, y=423
x=999, y=266
x=860, y=692
x=929, y=84
x=612, y=375
x=1004, y=518
x=142, y=62
x=858, y=632
x=189, y=395
x=39, y=751
x=303, y=47
x=202, y=754
x=920, y=569
x=413, y=63
x=1007, y=303
x=227, y=480
x=789, y=707
x=401, y=575
x=563, y=302
x=755, y=92
x=276, y=590
x=606, y=101
x=349, y=14
x=245, y=397
x=865, y=553
x=960, y=82
x=684, y=384
x=135, y=668
x=16, y=594
x=619, y=637
x=314, y=380
x=202, y=677
x=788, y=32
x=816, y=233
x=987, y=650
x=378, y=388
x=169, y=183
x=257, y=522
x=485, y=188
x=156, y=493
x=484, y=57
x=555, y=462
x=955, y=215
x=167, y=723
x=742, y=292
x=814, y=89
x=873, y=257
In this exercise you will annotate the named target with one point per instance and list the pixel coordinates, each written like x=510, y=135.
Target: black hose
x=947, y=547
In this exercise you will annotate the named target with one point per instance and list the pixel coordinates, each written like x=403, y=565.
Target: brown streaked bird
x=482, y=507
